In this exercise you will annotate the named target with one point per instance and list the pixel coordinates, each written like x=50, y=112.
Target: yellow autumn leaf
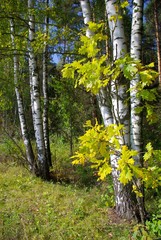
x=130, y=161
x=125, y=176
x=124, y=4
x=136, y=191
x=138, y=171
x=79, y=159
x=104, y=171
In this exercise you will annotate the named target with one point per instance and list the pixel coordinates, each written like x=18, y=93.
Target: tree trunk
x=105, y=105
x=135, y=51
x=24, y=131
x=45, y=93
x=36, y=108
x=102, y=97
x=158, y=40
x=86, y=10
x=124, y=199
x=114, y=107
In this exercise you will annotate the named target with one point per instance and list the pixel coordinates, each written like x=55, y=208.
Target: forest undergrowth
x=72, y=206
x=33, y=209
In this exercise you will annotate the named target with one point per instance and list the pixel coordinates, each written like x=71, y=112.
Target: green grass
x=33, y=209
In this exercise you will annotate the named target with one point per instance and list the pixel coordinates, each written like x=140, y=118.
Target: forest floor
x=33, y=209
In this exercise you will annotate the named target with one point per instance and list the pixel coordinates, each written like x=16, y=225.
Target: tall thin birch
x=135, y=51
x=29, y=151
x=135, y=129
x=36, y=108
x=123, y=198
x=102, y=97
x=45, y=91
x=158, y=39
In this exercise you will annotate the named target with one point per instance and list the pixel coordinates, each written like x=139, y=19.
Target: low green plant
x=140, y=233
x=107, y=197
x=60, y=151
x=154, y=226
x=13, y=149
x=63, y=168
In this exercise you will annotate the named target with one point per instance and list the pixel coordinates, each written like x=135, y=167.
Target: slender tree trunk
x=119, y=87
x=135, y=51
x=86, y=10
x=105, y=105
x=23, y=125
x=102, y=97
x=45, y=93
x=124, y=199
x=35, y=98
x=158, y=40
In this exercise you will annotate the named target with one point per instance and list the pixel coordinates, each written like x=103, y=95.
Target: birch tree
x=123, y=194
x=23, y=124
x=45, y=90
x=158, y=37
x=103, y=96
x=118, y=110
x=136, y=40
x=135, y=51
x=35, y=97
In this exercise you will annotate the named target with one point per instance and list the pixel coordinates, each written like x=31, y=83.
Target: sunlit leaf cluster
x=96, y=147
x=100, y=143
x=94, y=71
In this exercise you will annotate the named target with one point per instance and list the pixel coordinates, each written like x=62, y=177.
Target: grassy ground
x=33, y=209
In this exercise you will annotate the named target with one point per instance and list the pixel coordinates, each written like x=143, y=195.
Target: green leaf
x=139, y=109
x=130, y=71
x=149, y=95
x=68, y=71
x=149, y=152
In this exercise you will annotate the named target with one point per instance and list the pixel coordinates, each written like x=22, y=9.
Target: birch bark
x=86, y=10
x=135, y=133
x=114, y=106
x=158, y=40
x=45, y=92
x=21, y=114
x=135, y=51
x=102, y=97
x=125, y=202
x=118, y=87
x=35, y=97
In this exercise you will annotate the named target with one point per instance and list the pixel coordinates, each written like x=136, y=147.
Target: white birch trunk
x=120, y=109
x=118, y=87
x=135, y=51
x=35, y=98
x=86, y=10
x=135, y=129
x=45, y=93
x=102, y=97
x=158, y=40
x=105, y=105
x=21, y=114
